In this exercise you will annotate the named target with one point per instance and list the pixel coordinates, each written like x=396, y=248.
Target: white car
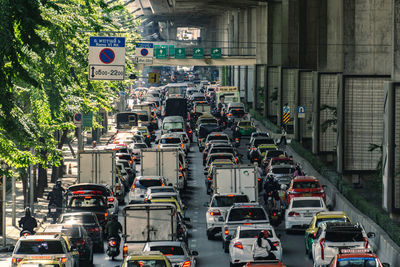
x=140, y=185
x=331, y=237
x=240, y=247
x=170, y=140
x=177, y=252
x=136, y=150
x=159, y=189
x=301, y=210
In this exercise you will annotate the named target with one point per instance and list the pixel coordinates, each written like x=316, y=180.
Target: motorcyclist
x=113, y=227
x=27, y=222
x=298, y=171
x=55, y=197
x=262, y=247
x=271, y=187
x=236, y=133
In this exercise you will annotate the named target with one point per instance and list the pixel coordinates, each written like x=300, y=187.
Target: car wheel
x=209, y=236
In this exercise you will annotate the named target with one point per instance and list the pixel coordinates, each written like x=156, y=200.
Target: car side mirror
x=195, y=253
x=371, y=235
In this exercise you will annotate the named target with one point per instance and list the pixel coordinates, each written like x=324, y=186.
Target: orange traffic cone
x=70, y=169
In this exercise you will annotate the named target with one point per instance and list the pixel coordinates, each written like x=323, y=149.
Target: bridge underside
x=231, y=61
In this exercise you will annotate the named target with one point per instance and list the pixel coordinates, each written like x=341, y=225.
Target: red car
x=305, y=186
x=279, y=161
x=356, y=257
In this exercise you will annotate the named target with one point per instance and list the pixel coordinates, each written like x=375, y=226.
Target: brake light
x=148, y=136
x=294, y=214
x=247, y=224
x=182, y=146
x=88, y=197
x=81, y=242
x=63, y=260
x=110, y=199
x=258, y=179
x=105, y=215
x=215, y=213
x=112, y=243
x=321, y=244
x=209, y=178
x=95, y=229
x=133, y=186
x=252, y=148
x=190, y=132
x=238, y=245
x=125, y=251
x=229, y=115
x=180, y=167
x=16, y=260
x=275, y=244
x=187, y=264
x=366, y=242
x=226, y=231
x=117, y=187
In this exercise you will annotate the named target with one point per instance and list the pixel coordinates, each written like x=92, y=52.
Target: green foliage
x=43, y=71
x=330, y=122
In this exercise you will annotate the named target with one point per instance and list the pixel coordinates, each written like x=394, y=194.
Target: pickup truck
x=242, y=214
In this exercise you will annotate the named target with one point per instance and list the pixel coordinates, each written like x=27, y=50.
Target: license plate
x=53, y=210
x=307, y=194
x=308, y=214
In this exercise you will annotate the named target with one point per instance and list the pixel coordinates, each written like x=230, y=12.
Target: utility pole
x=14, y=223
x=4, y=211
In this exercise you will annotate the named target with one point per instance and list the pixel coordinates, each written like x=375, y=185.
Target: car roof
x=158, y=187
x=149, y=177
x=331, y=214
x=86, y=213
x=165, y=243
x=304, y=179
x=305, y=198
x=246, y=205
x=282, y=166
x=146, y=255
x=42, y=236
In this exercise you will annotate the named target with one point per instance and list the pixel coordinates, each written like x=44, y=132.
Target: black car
x=79, y=238
x=91, y=224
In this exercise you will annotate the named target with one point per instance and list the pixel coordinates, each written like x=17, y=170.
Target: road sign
x=88, y=119
x=161, y=52
x=286, y=114
x=198, y=53
x=144, y=60
x=78, y=118
x=106, y=58
x=104, y=72
x=301, y=112
x=216, y=53
x=144, y=49
x=171, y=50
x=154, y=77
x=180, y=53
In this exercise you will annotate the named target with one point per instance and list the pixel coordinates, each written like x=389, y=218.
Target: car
x=148, y=258
x=164, y=195
x=281, y=160
x=224, y=156
x=185, y=140
x=90, y=222
x=130, y=171
x=242, y=214
x=317, y=221
x=55, y=245
x=136, y=150
x=217, y=210
x=124, y=179
x=240, y=247
x=283, y=173
x=159, y=189
x=257, y=141
x=213, y=136
x=246, y=127
x=305, y=186
x=145, y=133
x=170, y=140
x=140, y=185
x=259, y=133
x=170, y=200
x=332, y=236
x=203, y=131
x=79, y=238
x=264, y=148
x=272, y=154
x=217, y=148
x=300, y=212
x=177, y=252
x=356, y=257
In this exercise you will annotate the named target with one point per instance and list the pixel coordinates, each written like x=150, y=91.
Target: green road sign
x=171, y=50
x=198, y=53
x=216, y=53
x=87, y=119
x=161, y=52
x=180, y=53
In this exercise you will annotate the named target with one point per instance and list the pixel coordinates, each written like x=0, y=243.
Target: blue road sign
x=78, y=117
x=286, y=109
x=301, y=109
x=107, y=41
x=107, y=55
x=144, y=52
x=144, y=45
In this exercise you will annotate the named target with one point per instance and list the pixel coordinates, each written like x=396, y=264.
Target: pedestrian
x=283, y=137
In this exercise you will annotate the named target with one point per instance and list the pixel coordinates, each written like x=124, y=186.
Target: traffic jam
x=134, y=194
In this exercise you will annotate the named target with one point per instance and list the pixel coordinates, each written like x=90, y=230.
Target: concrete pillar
x=396, y=41
x=266, y=98
x=246, y=84
x=274, y=37
x=349, y=36
x=255, y=102
x=243, y=32
x=290, y=33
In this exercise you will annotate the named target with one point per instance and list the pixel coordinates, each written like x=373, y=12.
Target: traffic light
x=154, y=77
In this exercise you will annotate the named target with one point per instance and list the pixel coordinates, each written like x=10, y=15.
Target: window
x=252, y=233
x=86, y=219
x=263, y=141
x=170, y=140
x=172, y=125
x=324, y=220
x=283, y=170
x=241, y=214
x=218, y=137
x=168, y=250
x=245, y=123
x=87, y=202
x=309, y=203
x=339, y=235
x=357, y=262
x=275, y=153
x=306, y=184
x=138, y=146
x=227, y=201
x=41, y=247
x=144, y=183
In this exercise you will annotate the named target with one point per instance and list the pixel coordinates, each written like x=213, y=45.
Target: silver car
x=177, y=252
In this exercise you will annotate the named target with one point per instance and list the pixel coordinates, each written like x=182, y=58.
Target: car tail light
x=187, y=264
x=226, y=231
x=182, y=146
x=111, y=199
x=125, y=251
x=294, y=214
x=238, y=245
x=190, y=131
x=209, y=178
x=94, y=229
x=131, y=161
x=133, y=186
x=148, y=136
x=117, y=187
x=112, y=243
x=215, y=213
x=255, y=158
x=81, y=242
x=252, y=148
x=105, y=215
x=63, y=260
x=16, y=260
x=366, y=242
x=258, y=179
x=276, y=244
x=180, y=168
x=321, y=244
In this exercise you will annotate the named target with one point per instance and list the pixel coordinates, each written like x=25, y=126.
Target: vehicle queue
x=150, y=172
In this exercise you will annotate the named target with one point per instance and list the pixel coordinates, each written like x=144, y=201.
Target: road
x=210, y=251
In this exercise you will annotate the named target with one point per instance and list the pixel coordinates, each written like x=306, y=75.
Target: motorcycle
x=26, y=233
x=53, y=213
x=237, y=142
x=276, y=217
x=113, y=247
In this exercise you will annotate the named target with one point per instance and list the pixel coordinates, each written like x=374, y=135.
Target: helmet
x=265, y=233
x=58, y=183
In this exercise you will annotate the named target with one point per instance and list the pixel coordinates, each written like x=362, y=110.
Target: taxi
x=145, y=133
x=318, y=219
x=40, y=263
x=170, y=200
x=246, y=127
x=149, y=258
x=265, y=263
x=263, y=148
x=356, y=257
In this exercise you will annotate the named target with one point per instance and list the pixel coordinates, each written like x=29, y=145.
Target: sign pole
x=4, y=212
x=13, y=201
x=80, y=139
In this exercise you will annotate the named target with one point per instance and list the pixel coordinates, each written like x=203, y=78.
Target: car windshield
x=307, y=203
x=242, y=214
x=40, y=247
x=221, y=150
x=306, y=184
x=324, y=220
x=252, y=233
x=339, y=235
x=208, y=121
x=214, y=157
x=172, y=125
x=357, y=262
x=86, y=219
x=275, y=153
x=245, y=123
x=170, y=140
x=125, y=157
x=138, y=146
x=168, y=250
x=146, y=263
x=264, y=149
x=218, y=137
x=162, y=190
x=266, y=141
x=283, y=170
x=87, y=202
x=227, y=201
x=144, y=183
x=282, y=161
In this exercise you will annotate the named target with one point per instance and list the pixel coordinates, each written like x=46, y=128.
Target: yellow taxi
x=150, y=258
x=40, y=263
x=170, y=200
x=145, y=133
x=263, y=148
x=318, y=219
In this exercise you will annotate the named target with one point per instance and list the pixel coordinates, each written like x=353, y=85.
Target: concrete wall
x=305, y=99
